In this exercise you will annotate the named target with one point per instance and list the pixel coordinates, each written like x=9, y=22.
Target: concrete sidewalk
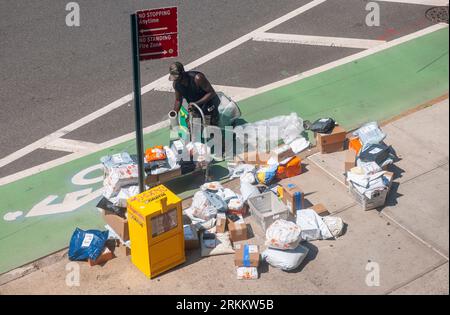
x=408, y=239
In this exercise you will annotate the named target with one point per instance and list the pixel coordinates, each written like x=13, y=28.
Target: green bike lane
x=375, y=87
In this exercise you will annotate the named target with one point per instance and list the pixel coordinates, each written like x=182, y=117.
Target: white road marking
x=128, y=98
x=232, y=91
x=423, y=2
x=68, y=145
x=68, y=158
x=349, y=59
x=318, y=40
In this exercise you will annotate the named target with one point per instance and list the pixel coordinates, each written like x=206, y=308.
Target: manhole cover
x=437, y=14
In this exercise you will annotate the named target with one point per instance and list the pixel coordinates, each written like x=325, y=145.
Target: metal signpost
x=154, y=35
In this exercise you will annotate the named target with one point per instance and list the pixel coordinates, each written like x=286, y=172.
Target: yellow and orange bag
x=291, y=169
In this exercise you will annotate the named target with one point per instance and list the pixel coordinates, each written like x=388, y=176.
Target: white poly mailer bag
x=116, y=160
x=219, y=246
x=283, y=234
x=119, y=177
x=311, y=225
x=201, y=207
x=248, y=190
x=124, y=194
x=285, y=259
x=335, y=225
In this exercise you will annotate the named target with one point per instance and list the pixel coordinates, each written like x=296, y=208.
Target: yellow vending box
x=155, y=226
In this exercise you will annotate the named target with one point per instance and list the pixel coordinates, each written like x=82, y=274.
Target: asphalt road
x=53, y=74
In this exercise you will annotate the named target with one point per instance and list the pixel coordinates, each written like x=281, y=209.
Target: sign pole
x=137, y=101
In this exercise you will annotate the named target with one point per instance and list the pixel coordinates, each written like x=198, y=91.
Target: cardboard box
x=338, y=135
x=289, y=197
x=377, y=201
x=106, y=255
x=281, y=153
x=331, y=148
x=320, y=210
x=191, y=239
x=251, y=251
x=221, y=223
x=253, y=157
x=118, y=224
x=162, y=178
x=238, y=229
x=350, y=160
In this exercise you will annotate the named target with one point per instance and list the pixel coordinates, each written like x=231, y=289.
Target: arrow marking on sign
x=164, y=52
x=154, y=29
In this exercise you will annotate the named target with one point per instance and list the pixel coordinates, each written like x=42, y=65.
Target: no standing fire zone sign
x=158, y=33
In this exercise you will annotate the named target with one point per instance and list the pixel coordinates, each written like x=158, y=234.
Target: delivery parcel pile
x=153, y=228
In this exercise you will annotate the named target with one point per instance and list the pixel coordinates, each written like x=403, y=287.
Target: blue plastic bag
x=87, y=244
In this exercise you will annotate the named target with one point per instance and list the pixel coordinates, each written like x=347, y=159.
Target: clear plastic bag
x=228, y=110
x=370, y=133
x=270, y=131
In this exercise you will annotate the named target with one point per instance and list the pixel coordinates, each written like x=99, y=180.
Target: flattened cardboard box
x=253, y=258
x=320, y=210
x=238, y=229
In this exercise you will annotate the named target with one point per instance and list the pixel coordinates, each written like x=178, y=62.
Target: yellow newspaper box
x=155, y=226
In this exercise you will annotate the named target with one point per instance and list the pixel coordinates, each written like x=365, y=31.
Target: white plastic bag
x=201, y=208
x=285, y=259
x=283, y=234
x=124, y=194
x=116, y=160
x=199, y=223
x=248, y=190
x=219, y=246
x=228, y=110
x=311, y=225
x=119, y=177
x=335, y=225
x=241, y=169
x=270, y=131
x=370, y=133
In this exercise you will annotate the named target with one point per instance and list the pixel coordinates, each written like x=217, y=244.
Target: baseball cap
x=176, y=69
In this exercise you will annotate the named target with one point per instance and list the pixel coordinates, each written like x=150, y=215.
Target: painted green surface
x=373, y=88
